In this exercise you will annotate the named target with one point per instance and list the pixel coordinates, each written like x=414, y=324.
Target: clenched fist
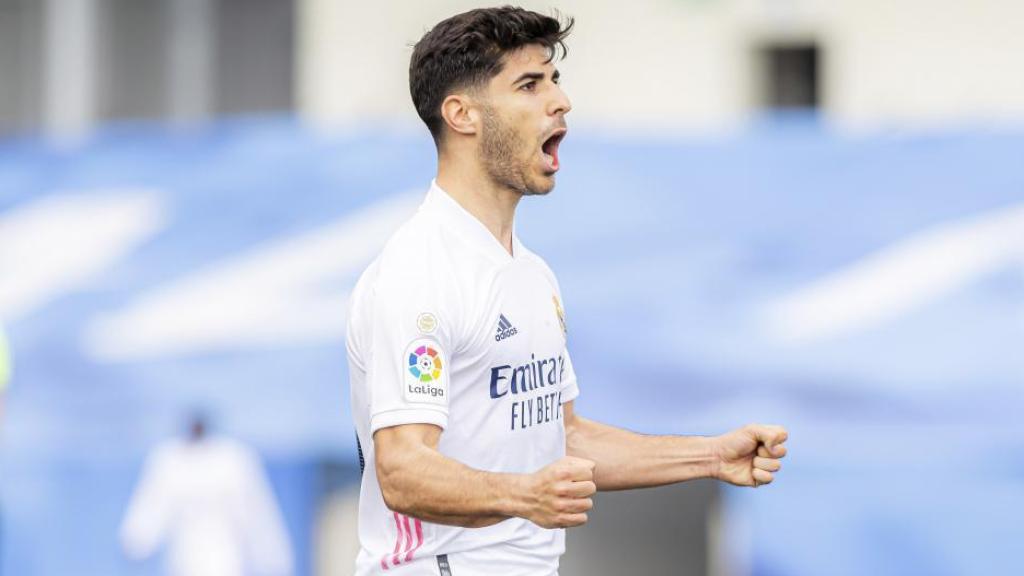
x=750, y=456
x=560, y=493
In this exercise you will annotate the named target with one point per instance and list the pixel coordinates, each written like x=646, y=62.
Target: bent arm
x=628, y=460
x=419, y=481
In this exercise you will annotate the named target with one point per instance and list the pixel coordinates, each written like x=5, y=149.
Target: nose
x=560, y=103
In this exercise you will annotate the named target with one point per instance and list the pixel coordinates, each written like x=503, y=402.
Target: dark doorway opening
x=790, y=76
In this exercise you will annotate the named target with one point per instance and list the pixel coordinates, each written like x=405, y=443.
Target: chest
x=520, y=347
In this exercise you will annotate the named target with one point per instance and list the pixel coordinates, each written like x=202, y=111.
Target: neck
x=492, y=204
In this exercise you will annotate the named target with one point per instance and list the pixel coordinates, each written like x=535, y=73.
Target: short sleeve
x=409, y=372
x=570, y=388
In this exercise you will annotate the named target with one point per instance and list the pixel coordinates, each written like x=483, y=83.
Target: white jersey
x=211, y=503
x=448, y=328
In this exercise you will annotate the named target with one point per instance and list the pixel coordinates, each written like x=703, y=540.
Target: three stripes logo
x=505, y=329
x=408, y=540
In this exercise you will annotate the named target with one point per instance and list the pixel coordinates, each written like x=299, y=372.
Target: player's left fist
x=750, y=455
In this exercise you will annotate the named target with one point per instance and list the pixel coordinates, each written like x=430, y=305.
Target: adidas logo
x=505, y=329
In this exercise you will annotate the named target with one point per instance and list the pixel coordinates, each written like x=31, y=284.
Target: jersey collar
x=466, y=224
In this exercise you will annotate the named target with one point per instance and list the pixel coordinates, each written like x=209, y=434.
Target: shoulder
x=411, y=251
x=166, y=455
x=229, y=448
x=418, y=256
x=414, y=273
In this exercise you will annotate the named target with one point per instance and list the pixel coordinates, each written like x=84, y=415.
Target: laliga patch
x=426, y=373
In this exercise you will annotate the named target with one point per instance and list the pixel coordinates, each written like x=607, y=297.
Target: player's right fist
x=559, y=494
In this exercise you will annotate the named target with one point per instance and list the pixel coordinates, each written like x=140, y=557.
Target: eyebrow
x=535, y=76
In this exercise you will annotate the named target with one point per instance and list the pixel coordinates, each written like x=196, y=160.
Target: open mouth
x=550, y=148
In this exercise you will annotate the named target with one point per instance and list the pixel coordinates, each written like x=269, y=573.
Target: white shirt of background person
x=209, y=500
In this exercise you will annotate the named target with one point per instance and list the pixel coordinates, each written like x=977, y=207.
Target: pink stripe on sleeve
x=402, y=536
x=419, y=539
x=398, y=545
x=409, y=541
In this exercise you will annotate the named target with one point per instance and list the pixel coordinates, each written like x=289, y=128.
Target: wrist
x=517, y=495
x=714, y=463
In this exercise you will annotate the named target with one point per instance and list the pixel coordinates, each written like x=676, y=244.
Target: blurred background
x=807, y=212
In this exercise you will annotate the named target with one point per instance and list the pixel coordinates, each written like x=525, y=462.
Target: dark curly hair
x=467, y=50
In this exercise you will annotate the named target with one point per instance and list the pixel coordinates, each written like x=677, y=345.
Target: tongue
x=550, y=150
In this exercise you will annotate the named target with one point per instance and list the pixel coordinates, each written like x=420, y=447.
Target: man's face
x=524, y=122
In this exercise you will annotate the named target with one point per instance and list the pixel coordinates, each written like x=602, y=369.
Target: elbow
x=392, y=477
x=395, y=501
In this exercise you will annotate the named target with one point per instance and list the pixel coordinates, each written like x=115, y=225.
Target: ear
x=460, y=114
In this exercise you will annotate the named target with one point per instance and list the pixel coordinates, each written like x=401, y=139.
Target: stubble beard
x=498, y=146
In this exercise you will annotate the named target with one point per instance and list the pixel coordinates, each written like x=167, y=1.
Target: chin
x=539, y=188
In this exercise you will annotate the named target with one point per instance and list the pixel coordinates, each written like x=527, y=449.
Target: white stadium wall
x=927, y=62
x=691, y=65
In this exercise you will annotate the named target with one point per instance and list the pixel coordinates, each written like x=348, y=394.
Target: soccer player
x=5, y=377
x=462, y=387
x=207, y=499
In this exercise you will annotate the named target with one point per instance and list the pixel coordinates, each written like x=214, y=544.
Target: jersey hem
x=570, y=391
x=390, y=418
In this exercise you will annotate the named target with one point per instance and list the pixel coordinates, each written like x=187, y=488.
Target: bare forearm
x=628, y=460
x=425, y=484
x=416, y=479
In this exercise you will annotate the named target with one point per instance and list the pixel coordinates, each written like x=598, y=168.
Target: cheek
x=521, y=126
x=527, y=141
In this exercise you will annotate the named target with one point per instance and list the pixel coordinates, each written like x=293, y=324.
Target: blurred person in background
x=209, y=500
x=5, y=378
x=462, y=387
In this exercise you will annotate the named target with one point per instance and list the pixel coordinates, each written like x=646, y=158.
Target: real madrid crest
x=560, y=313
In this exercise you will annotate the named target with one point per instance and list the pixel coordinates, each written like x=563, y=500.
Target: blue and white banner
x=868, y=294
